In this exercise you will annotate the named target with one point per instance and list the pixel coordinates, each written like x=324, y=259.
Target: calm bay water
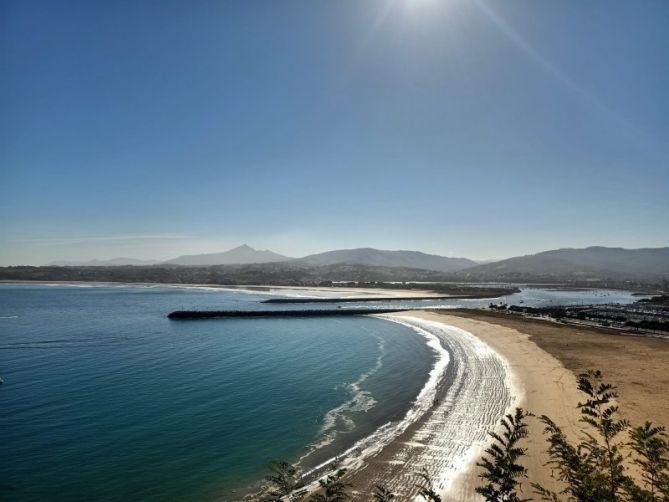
x=106, y=399
x=530, y=296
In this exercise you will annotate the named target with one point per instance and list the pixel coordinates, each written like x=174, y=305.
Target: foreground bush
x=597, y=468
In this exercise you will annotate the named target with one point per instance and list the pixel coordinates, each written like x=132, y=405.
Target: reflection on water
x=531, y=297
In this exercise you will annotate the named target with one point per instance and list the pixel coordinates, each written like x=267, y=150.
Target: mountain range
x=595, y=262
x=240, y=255
x=245, y=254
x=592, y=262
x=381, y=258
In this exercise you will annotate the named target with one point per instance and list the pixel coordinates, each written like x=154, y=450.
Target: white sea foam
x=70, y=285
x=246, y=291
x=206, y=288
x=339, y=419
x=386, y=433
x=455, y=430
x=106, y=285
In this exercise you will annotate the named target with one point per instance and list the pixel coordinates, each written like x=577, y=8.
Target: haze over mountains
x=244, y=254
x=380, y=258
x=593, y=263
x=113, y=262
x=240, y=255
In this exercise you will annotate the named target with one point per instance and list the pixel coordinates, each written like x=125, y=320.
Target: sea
x=104, y=398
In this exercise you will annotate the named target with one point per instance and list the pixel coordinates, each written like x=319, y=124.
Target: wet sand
x=476, y=388
x=547, y=387
x=282, y=290
x=543, y=360
x=638, y=365
x=343, y=292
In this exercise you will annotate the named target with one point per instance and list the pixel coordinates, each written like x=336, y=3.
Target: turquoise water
x=106, y=399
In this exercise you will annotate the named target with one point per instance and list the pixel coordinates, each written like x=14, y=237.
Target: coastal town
x=647, y=316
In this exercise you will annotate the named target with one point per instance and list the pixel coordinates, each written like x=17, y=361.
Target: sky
x=469, y=128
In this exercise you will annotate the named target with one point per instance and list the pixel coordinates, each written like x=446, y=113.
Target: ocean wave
x=63, y=343
x=455, y=427
x=341, y=418
x=376, y=441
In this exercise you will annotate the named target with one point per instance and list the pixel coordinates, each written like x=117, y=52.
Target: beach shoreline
x=546, y=387
x=526, y=362
x=379, y=293
x=540, y=360
x=541, y=378
x=468, y=390
x=643, y=389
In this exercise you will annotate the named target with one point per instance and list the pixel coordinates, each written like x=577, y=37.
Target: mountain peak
x=243, y=247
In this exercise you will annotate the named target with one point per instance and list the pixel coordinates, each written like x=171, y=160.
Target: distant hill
x=577, y=264
x=593, y=265
x=280, y=273
x=113, y=262
x=238, y=256
x=380, y=258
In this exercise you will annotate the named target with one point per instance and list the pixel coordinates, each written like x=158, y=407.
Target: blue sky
x=467, y=128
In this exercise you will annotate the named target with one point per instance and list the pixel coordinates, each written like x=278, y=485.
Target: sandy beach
x=547, y=387
x=260, y=288
x=467, y=391
x=638, y=365
x=294, y=291
x=379, y=293
x=546, y=359
x=533, y=379
x=337, y=291
x=532, y=364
